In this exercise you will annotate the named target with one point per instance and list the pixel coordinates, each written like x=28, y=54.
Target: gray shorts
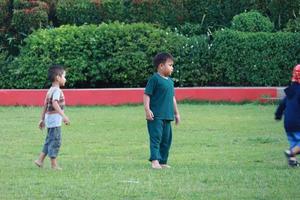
x=52, y=142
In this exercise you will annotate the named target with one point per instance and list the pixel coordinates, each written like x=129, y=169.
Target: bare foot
x=155, y=164
x=38, y=163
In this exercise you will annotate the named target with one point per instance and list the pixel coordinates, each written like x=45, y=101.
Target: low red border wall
x=132, y=96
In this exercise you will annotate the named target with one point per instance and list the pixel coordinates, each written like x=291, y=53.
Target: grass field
x=219, y=151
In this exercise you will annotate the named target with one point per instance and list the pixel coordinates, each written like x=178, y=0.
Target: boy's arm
x=176, y=111
x=60, y=111
x=149, y=114
x=42, y=121
x=280, y=109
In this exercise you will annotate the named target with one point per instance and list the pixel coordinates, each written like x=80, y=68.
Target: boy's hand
x=149, y=115
x=42, y=124
x=66, y=120
x=177, y=119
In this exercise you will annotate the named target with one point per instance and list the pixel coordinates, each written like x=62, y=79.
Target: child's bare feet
x=38, y=163
x=165, y=166
x=155, y=164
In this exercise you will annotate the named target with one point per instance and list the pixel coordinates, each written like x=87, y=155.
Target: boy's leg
x=54, y=146
x=165, y=142
x=155, y=128
x=54, y=164
x=295, y=149
x=294, y=141
x=39, y=162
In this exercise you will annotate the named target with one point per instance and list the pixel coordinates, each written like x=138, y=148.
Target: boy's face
x=62, y=79
x=167, y=67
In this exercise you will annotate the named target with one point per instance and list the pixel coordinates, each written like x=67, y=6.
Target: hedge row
x=162, y=12
x=114, y=55
x=120, y=55
x=18, y=18
x=254, y=59
x=210, y=14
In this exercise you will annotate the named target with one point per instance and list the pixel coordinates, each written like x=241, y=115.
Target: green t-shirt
x=161, y=92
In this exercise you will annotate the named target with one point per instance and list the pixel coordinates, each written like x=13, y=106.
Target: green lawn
x=219, y=151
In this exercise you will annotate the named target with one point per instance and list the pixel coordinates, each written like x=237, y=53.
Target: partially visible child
x=290, y=108
x=52, y=116
x=160, y=108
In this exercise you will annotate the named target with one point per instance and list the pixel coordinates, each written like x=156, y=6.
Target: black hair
x=55, y=70
x=161, y=58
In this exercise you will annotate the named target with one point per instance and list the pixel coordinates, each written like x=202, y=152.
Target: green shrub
x=153, y=11
x=4, y=12
x=252, y=22
x=3, y=56
x=192, y=67
x=254, y=59
x=27, y=4
x=189, y=29
x=120, y=55
x=293, y=25
x=5, y=81
x=281, y=11
x=3, y=39
x=27, y=20
x=109, y=55
x=22, y=17
x=29, y=16
x=113, y=10
x=78, y=12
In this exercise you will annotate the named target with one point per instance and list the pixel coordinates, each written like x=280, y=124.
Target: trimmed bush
x=252, y=22
x=120, y=55
x=254, y=59
x=109, y=55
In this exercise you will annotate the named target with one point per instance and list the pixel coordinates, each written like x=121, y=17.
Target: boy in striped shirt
x=52, y=117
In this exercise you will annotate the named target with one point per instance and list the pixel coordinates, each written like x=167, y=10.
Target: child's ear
x=56, y=77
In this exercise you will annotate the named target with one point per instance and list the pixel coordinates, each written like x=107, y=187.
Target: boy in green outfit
x=160, y=108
